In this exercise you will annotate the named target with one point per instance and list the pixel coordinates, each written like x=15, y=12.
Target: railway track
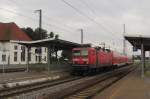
x=91, y=91
x=88, y=88
x=66, y=88
x=10, y=92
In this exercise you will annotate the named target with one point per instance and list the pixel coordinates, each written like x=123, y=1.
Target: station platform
x=131, y=86
x=23, y=76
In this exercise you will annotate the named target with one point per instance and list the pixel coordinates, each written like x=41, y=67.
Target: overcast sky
x=101, y=20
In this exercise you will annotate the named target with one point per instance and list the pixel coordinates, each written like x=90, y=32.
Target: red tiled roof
x=10, y=31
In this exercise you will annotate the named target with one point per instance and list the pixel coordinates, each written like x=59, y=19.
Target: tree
x=56, y=36
x=51, y=35
x=29, y=31
x=40, y=34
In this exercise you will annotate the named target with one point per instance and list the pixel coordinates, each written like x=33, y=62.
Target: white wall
x=7, y=48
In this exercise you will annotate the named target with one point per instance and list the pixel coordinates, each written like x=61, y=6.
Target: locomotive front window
x=84, y=52
x=80, y=53
x=76, y=53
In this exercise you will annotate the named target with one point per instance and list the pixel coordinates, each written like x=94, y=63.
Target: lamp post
x=40, y=29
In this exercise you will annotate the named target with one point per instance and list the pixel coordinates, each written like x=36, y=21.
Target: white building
x=12, y=53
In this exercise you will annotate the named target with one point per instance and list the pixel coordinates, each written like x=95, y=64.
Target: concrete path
x=130, y=87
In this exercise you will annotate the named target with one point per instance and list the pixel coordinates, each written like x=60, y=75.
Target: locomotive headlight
x=85, y=61
x=75, y=61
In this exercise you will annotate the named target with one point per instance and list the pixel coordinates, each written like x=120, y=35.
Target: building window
x=22, y=47
x=22, y=56
x=23, y=53
x=15, y=47
x=15, y=56
x=38, y=50
x=4, y=58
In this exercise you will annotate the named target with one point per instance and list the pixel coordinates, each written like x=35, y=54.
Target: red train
x=90, y=58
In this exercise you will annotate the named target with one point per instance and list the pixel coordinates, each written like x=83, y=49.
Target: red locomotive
x=90, y=58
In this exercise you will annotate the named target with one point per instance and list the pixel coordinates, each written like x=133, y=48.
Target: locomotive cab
x=82, y=58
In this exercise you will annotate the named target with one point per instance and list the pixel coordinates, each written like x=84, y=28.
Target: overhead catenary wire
x=87, y=6
x=33, y=19
x=89, y=18
x=16, y=3
x=49, y=24
x=93, y=12
x=62, y=27
x=17, y=13
x=112, y=34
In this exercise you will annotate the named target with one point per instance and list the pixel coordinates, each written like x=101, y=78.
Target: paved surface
x=130, y=87
x=21, y=76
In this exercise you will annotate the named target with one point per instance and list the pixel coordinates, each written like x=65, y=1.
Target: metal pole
x=48, y=58
x=40, y=22
x=3, y=67
x=27, y=59
x=40, y=30
x=52, y=47
x=124, y=41
x=142, y=59
x=3, y=63
x=81, y=36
